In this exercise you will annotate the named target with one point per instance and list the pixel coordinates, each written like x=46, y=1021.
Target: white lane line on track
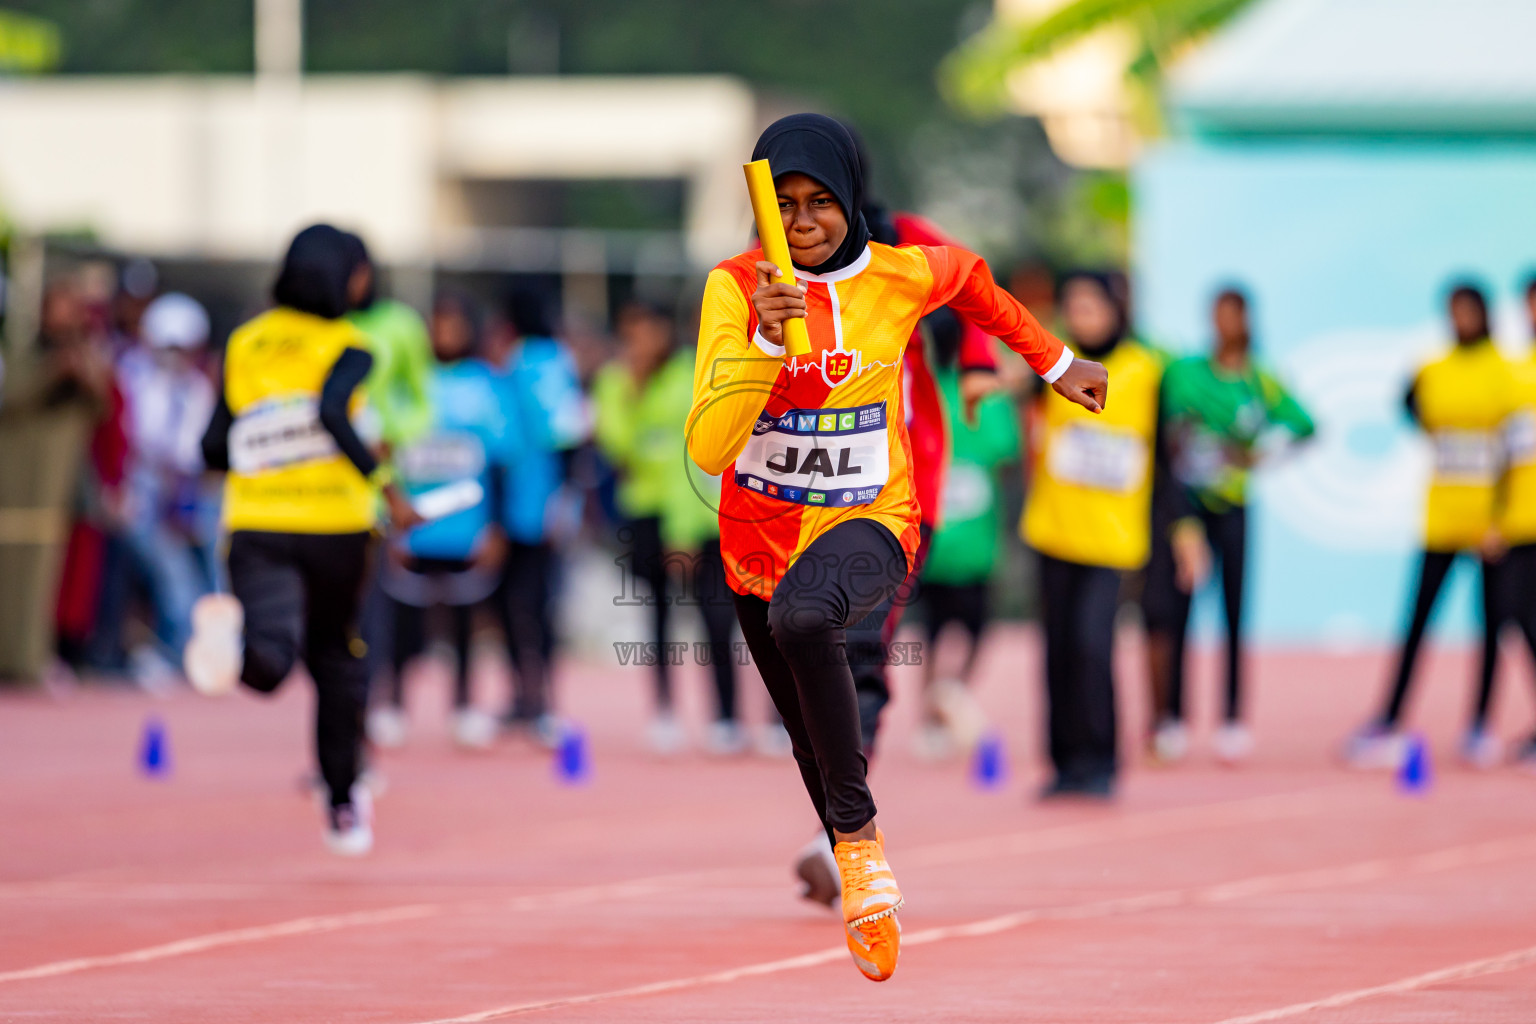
x=1165, y=821
x=1513, y=961
x=1346, y=874
x=234, y=937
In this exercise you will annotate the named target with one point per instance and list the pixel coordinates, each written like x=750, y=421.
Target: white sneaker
x=950, y=703
x=1233, y=743
x=216, y=652
x=773, y=741
x=1481, y=750
x=1170, y=741
x=349, y=828
x=473, y=729
x=665, y=735
x=1376, y=748
x=816, y=866
x=932, y=742
x=387, y=727
x=724, y=738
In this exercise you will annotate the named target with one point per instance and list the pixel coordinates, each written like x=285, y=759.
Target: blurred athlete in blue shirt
x=454, y=561
x=547, y=419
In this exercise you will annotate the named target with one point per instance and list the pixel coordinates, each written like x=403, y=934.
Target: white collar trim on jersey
x=851, y=270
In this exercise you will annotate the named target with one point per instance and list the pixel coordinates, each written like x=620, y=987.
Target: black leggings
x=968, y=605
x=1077, y=606
x=525, y=604
x=1505, y=584
x=1166, y=607
x=797, y=640
x=411, y=641
x=301, y=594
x=704, y=575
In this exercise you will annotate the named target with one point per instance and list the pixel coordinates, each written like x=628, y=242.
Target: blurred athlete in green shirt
x=641, y=402
x=1219, y=413
x=402, y=355
x=957, y=575
x=397, y=412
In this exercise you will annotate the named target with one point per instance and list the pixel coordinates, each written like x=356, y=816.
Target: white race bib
x=1520, y=438
x=1465, y=456
x=829, y=457
x=442, y=458
x=278, y=432
x=1099, y=457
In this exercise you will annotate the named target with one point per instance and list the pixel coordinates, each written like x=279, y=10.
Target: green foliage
x=974, y=75
x=27, y=44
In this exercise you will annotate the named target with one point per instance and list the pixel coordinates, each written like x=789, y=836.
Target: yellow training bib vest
x=286, y=474
x=1090, y=491
x=1463, y=400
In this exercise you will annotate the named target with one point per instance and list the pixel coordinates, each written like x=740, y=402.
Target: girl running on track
x=819, y=522
x=300, y=505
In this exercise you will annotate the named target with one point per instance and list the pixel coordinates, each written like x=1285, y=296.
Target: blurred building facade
x=1345, y=161
x=431, y=172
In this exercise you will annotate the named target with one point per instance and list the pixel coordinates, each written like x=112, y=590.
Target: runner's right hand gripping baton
x=770, y=231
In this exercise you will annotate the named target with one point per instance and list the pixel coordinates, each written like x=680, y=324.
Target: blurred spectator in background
x=1088, y=516
x=1461, y=400
x=69, y=413
x=453, y=562
x=170, y=400
x=548, y=418
x=641, y=401
x=1218, y=411
x=964, y=552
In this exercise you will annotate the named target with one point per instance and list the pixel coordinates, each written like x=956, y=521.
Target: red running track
x=1286, y=890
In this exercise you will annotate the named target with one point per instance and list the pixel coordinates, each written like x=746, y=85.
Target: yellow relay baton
x=770, y=231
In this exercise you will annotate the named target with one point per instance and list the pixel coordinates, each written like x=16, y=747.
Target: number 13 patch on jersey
x=830, y=457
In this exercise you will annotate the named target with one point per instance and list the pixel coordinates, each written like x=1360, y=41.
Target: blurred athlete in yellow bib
x=818, y=515
x=299, y=506
x=1462, y=401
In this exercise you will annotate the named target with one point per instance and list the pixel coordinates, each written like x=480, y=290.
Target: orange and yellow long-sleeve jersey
x=803, y=443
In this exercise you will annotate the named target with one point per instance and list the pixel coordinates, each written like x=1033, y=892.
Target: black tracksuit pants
x=705, y=573
x=1166, y=607
x=526, y=606
x=1506, y=596
x=302, y=595
x=1077, y=606
x=798, y=641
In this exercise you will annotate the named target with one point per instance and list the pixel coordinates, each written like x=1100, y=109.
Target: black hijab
x=315, y=272
x=820, y=148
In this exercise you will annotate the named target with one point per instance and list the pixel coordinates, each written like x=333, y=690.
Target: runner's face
x=1467, y=319
x=813, y=221
x=452, y=334
x=1088, y=314
x=1231, y=321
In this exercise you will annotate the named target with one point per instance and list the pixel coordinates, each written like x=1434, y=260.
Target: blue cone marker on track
x=572, y=765
x=154, y=749
x=1414, y=775
x=989, y=764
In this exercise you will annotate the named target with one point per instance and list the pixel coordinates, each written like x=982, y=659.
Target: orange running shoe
x=870, y=902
